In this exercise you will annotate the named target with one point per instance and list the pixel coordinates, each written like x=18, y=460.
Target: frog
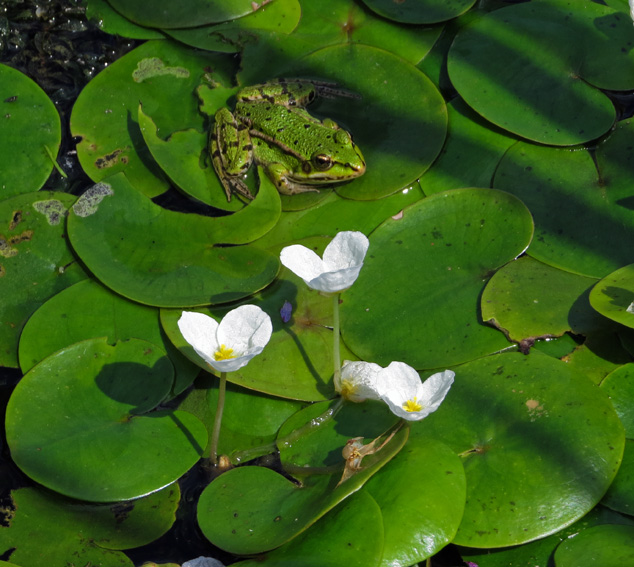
x=271, y=127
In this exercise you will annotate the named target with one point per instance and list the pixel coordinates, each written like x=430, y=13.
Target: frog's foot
x=277, y=173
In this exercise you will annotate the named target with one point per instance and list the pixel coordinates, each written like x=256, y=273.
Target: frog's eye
x=322, y=162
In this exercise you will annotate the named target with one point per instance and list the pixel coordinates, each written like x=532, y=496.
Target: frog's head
x=338, y=160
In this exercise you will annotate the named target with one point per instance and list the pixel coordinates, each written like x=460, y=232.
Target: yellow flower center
x=347, y=389
x=412, y=405
x=224, y=353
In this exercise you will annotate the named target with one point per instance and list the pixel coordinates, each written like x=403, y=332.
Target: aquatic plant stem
x=336, y=353
x=215, y=434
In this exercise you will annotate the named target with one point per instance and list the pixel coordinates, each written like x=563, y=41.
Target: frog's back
x=293, y=127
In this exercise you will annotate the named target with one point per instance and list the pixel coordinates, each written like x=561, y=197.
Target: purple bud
x=286, y=311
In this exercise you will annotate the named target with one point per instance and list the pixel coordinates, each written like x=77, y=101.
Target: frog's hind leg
x=231, y=153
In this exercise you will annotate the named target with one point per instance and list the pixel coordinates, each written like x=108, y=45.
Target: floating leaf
x=539, y=456
x=89, y=310
x=163, y=258
x=167, y=14
x=417, y=297
x=30, y=134
x=162, y=76
x=421, y=493
x=81, y=422
x=110, y=21
x=600, y=546
x=253, y=509
x=620, y=495
x=561, y=186
x=35, y=261
x=535, y=68
x=419, y=11
x=71, y=531
x=281, y=16
x=528, y=299
x=353, y=532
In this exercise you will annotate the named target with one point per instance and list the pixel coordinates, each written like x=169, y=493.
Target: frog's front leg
x=278, y=172
x=231, y=153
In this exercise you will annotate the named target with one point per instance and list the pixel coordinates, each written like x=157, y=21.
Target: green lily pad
x=89, y=310
x=472, y=151
x=417, y=297
x=386, y=129
x=30, y=134
x=620, y=495
x=166, y=14
x=601, y=546
x=332, y=22
x=297, y=362
x=528, y=299
x=35, y=261
x=80, y=422
x=536, y=68
x=168, y=259
x=613, y=296
x=353, y=532
x=539, y=442
x=250, y=420
x=80, y=533
x=110, y=21
x=540, y=552
x=281, y=16
x=421, y=493
x=163, y=77
x=419, y=11
x=334, y=214
x=561, y=186
x=254, y=509
x=619, y=386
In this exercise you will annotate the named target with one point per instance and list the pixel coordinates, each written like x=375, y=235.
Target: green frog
x=271, y=127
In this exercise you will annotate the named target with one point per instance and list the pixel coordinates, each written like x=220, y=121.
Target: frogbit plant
x=226, y=347
x=398, y=385
x=336, y=272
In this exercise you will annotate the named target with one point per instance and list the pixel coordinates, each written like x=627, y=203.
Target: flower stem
x=336, y=337
x=215, y=435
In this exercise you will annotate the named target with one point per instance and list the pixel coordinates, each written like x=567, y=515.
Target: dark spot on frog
x=306, y=126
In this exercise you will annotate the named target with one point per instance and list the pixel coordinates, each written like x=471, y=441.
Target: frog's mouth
x=324, y=177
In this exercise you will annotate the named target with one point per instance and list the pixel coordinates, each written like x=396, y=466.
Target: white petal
x=346, y=250
x=245, y=328
x=199, y=330
x=302, y=261
x=333, y=282
x=361, y=377
x=435, y=388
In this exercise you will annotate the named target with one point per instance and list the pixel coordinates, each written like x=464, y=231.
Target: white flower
x=340, y=267
x=632, y=9
x=400, y=387
x=231, y=344
x=358, y=380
